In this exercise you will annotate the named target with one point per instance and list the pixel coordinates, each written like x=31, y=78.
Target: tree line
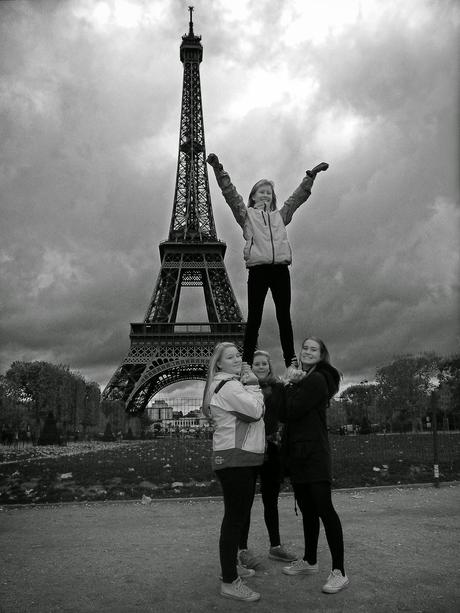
x=31, y=391
x=399, y=399
x=405, y=393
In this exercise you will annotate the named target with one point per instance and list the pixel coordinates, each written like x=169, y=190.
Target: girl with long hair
x=236, y=412
x=308, y=459
x=267, y=252
x=270, y=472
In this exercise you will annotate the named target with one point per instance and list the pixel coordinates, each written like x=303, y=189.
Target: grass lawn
x=181, y=467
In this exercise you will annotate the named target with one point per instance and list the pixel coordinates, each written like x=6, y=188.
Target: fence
x=358, y=460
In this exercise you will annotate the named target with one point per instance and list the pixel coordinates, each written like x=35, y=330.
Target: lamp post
x=434, y=421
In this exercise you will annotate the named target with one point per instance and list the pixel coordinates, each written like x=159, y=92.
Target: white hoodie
x=239, y=430
x=264, y=231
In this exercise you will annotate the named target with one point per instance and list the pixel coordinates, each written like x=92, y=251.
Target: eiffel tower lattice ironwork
x=162, y=350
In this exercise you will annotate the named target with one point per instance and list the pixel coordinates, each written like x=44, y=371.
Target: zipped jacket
x=306, y=450
x=264, y=231
x=239, y=431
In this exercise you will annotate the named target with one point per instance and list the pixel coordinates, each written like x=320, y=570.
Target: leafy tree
x=14, y=405
x=54, y=388
x=405, y=386
x=50, y=432
x=357, y=401
x=108, y=432
x=449, y=380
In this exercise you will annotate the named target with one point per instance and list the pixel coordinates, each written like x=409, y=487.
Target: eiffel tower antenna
x=163, y=351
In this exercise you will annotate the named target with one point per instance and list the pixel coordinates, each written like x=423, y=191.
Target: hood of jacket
x=331, y=375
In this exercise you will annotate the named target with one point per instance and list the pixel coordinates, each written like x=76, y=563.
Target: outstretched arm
x=232, y=197
x=301, y=194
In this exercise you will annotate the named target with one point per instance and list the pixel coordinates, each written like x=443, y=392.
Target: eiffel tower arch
x=164, y=351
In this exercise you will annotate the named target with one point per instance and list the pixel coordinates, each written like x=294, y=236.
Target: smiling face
x=310, y=354
x=230, y=361
x=261, y=366
x=263, y=196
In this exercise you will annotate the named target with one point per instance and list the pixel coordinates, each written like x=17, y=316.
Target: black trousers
x=270, y=484
x=315, y=503
x=261, y=278
x=238, y=485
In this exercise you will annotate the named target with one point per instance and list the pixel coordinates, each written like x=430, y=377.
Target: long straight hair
x=212, y=369
x=324, y=353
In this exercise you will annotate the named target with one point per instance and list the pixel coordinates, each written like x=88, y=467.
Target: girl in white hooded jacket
x=267, y=251
x=235, y=411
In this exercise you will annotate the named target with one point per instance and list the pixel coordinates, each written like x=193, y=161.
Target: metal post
x=434, y=419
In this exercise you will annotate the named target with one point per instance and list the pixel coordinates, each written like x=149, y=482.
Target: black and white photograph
x=230, y=306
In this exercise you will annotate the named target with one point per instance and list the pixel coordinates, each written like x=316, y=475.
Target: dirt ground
x=401, y=546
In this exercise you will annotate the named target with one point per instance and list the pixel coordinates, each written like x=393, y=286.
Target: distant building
x=159, y=411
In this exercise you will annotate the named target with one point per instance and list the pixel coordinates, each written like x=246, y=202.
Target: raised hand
x=319, y=168
x=213, y=160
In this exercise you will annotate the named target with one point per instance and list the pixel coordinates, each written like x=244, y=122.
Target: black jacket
x=274, y=398
x=306, y=452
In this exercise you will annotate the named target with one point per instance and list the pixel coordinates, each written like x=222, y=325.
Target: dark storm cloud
x=90, y=103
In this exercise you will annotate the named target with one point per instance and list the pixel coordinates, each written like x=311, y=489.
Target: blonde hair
x=212, y=369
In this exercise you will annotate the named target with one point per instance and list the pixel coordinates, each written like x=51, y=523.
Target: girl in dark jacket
x=308, y=459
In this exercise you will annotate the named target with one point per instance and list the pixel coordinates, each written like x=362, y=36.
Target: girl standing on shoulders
x=271, y=470
x=267, y=252
x=308, y=459
x=236, y=412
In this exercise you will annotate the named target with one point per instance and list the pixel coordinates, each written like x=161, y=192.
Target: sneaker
x=238, y=590
x=250, y=560
x=301, y=567
x=243, y=572
x=335, y=582
x=282, y=554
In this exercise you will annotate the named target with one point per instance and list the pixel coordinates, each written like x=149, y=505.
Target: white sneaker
x=301, y=567
x=335, y=582
x=238, y=590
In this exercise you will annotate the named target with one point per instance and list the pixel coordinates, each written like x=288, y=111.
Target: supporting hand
x=247, y=376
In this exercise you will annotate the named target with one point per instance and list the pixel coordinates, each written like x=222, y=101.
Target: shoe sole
x=300, y=572
x=249, y=599
x=334, y=591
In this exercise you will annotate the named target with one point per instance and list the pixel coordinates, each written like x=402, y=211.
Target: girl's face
x=310, y=354
x=263, y=196
x=230, y=361
x=260, y=366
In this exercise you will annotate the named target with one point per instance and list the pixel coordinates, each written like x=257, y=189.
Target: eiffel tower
x=162, y=350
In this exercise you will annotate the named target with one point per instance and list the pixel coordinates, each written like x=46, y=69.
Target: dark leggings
x=315, y=503
x=270, y=488
x=238, y=485
x=260, y=279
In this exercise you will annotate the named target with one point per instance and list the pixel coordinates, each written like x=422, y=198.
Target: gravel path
x=401, y=548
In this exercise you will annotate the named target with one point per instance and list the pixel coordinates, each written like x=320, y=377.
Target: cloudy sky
x=90, y=96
